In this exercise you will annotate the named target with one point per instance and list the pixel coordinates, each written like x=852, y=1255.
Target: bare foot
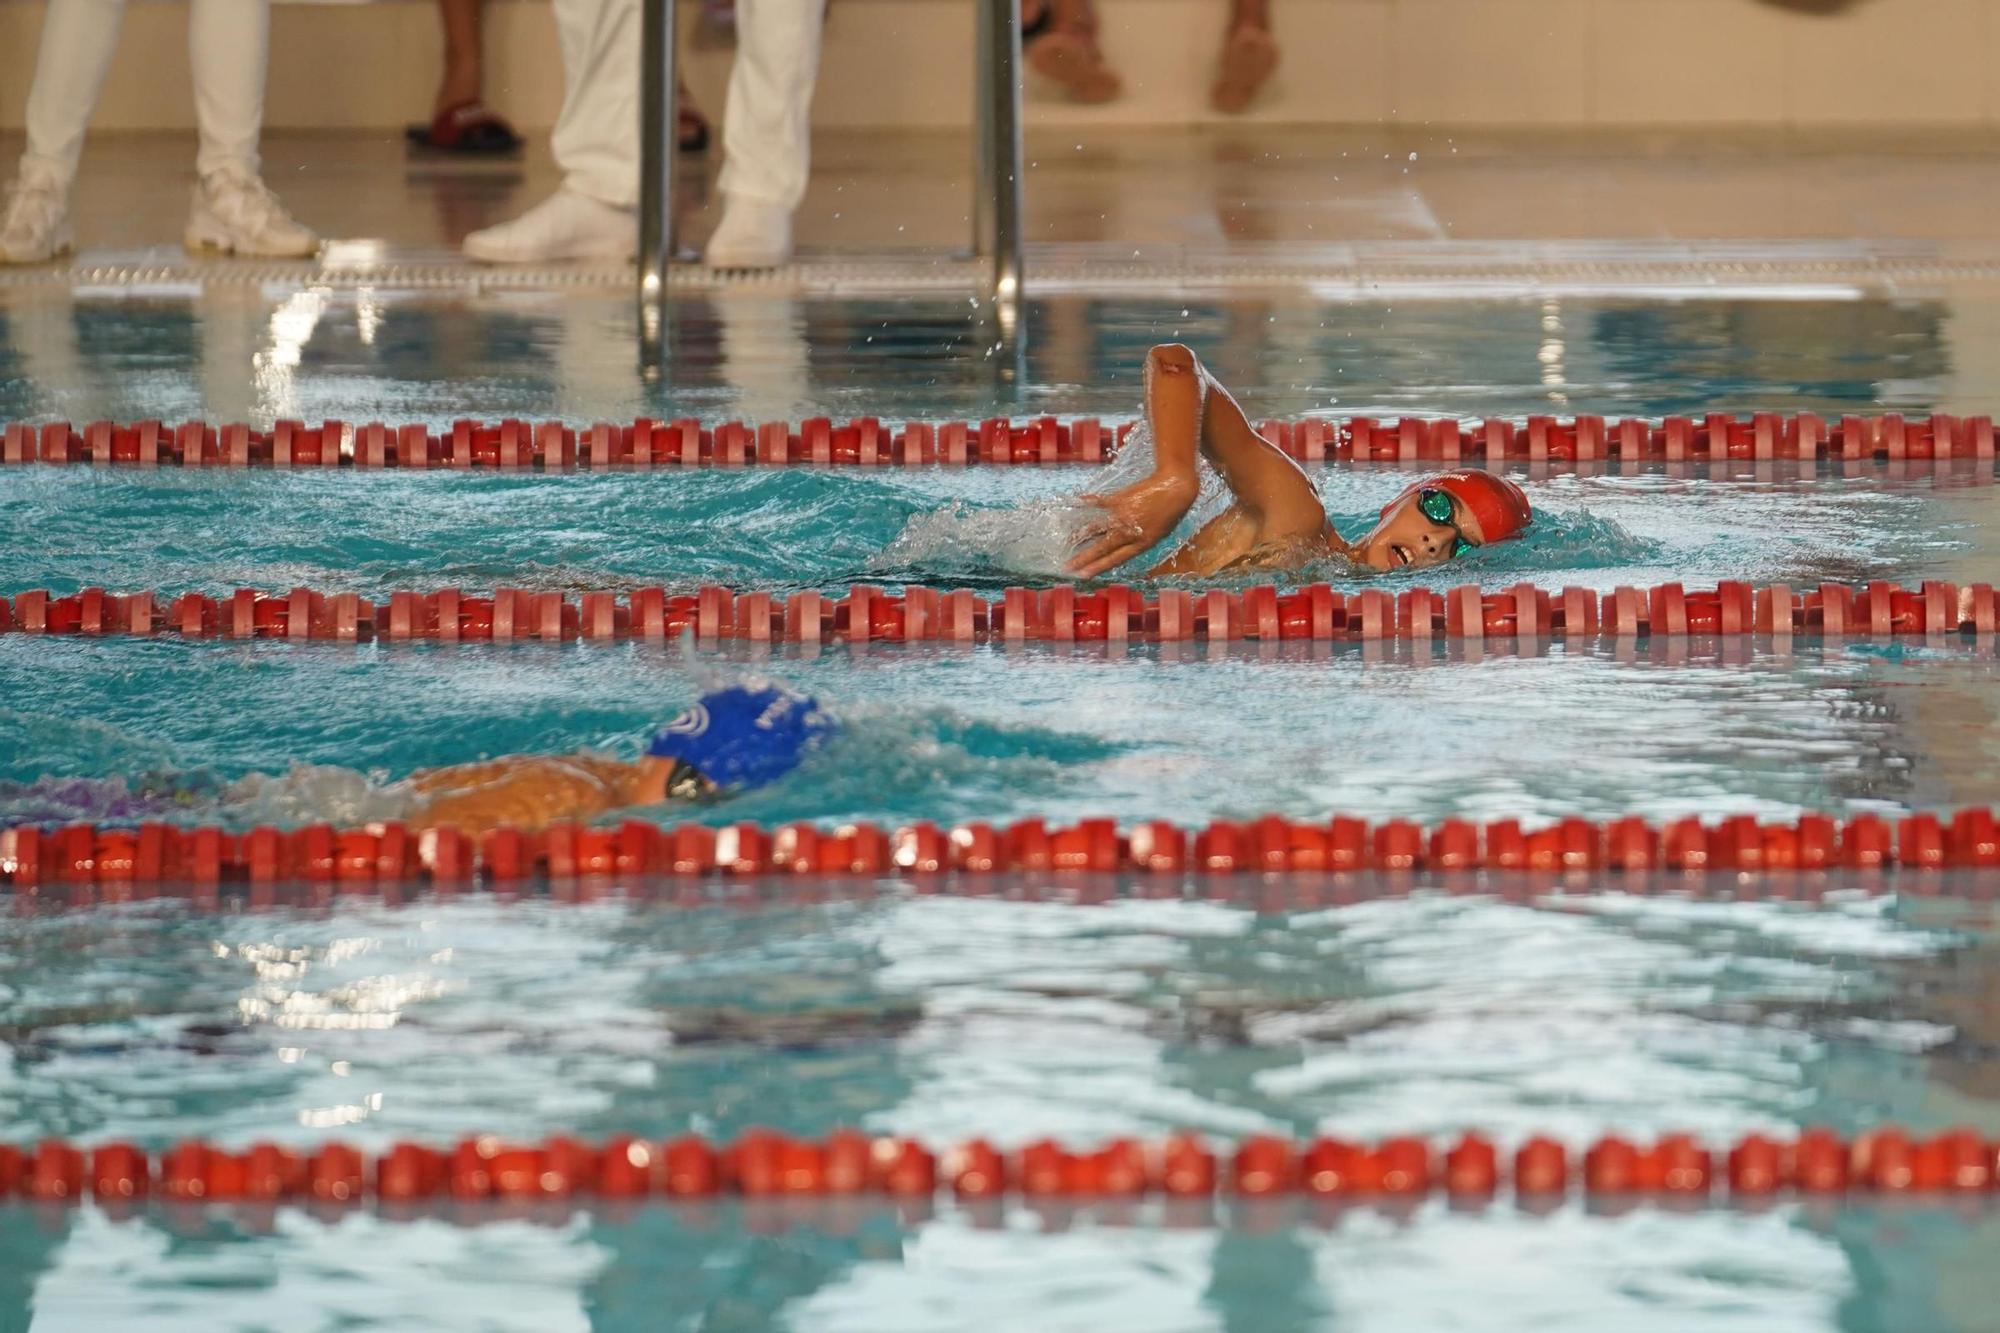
x=1248, y=58
x=459, y=84
x=1073, y=60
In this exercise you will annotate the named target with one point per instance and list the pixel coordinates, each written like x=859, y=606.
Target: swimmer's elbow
x=1172, y=359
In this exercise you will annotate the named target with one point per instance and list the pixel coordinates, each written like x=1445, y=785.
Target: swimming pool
x=1231, y=1012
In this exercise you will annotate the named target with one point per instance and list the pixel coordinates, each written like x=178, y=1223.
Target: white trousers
x=596, y=138
x=228, y=41
x=767, y=119
x=766, y=126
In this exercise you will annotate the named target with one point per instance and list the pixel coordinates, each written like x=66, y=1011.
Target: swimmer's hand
x=1134, y=519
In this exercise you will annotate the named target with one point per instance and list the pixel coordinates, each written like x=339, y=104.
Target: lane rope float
x=1887, y=1161
x=1060, y=614
x=1538, y=441
x=1589, y=852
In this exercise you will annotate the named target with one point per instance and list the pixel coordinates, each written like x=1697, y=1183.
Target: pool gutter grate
x=1351, y=271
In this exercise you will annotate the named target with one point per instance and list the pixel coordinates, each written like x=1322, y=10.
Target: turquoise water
x=988, y=733
x=798, y=528
x=944, y=1017
x=956, y=733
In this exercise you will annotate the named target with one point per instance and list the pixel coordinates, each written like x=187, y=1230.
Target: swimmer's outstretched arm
x=1139, y=515
x=1189, y=410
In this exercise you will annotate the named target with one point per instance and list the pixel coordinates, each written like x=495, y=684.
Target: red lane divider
x=1062, y=614
x=1885, y=1161
x=1740, y=846
x=866, y=441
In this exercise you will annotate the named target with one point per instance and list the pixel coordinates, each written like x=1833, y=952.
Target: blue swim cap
x=738, y=737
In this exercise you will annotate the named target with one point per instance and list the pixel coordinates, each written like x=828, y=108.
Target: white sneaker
x=752, y=234
x=36, y=226
x=234, y=213
x=566, y=225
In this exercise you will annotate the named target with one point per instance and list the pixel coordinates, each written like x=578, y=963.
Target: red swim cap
x=1497, y=505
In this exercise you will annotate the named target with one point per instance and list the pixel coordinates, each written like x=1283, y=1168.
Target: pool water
x=990, y=733
x=942, y=732
x=948, y=1017
x=232, y=353
x=798, y=528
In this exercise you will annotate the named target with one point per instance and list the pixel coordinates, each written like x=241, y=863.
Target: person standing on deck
x=233, y=212
x=766, y=140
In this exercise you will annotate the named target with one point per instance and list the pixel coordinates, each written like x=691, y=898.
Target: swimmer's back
x=528, y=791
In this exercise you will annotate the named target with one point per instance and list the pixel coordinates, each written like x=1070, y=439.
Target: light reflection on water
x=946, y=1018
x=232, y=354
x=862, y=1267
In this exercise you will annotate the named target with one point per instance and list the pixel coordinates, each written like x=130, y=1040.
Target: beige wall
x=1435, y=62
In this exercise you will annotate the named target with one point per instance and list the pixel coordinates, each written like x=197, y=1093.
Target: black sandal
x=470, y=127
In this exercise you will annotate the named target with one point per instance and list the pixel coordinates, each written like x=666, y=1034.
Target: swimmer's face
x=685, y=783
x=1407, y=538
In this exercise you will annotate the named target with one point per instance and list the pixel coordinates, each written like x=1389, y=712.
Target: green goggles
x=1435, y=505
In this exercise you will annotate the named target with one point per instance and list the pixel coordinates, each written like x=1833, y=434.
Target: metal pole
x=656, y=175
x=996, y=208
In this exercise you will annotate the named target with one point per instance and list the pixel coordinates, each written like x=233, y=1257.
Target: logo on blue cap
x=739, y=737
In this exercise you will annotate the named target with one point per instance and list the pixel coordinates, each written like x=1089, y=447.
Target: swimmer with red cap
x=1276, y=520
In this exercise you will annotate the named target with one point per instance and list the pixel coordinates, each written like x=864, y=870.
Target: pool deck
x=1257, y=205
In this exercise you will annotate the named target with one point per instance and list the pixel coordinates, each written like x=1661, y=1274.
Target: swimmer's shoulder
x=1290, y=552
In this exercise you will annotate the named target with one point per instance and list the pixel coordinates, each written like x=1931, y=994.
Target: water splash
x=898, y=764
x=979, y=544
x=1568, y=539
x=316, y=794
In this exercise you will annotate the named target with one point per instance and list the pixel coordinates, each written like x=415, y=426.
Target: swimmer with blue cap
x=732, y=740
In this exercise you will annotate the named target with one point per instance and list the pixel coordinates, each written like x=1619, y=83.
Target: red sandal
x=469, y=127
